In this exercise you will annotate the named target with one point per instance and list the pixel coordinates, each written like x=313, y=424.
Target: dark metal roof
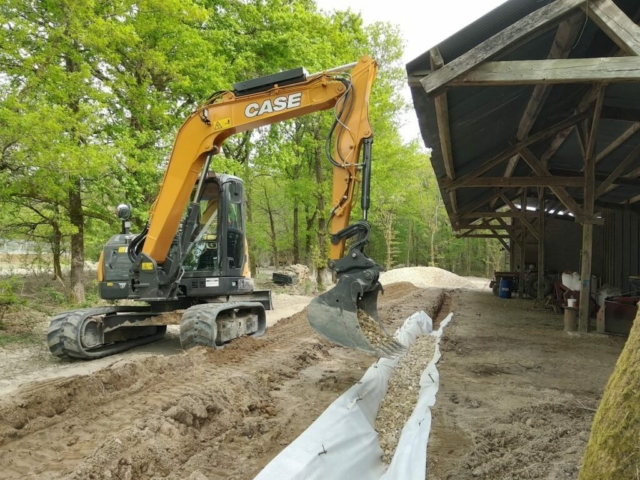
x=484, y=120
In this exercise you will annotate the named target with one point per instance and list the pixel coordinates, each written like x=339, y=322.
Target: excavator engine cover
x=335, y=314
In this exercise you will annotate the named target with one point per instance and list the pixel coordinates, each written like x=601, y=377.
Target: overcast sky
x=423, y=23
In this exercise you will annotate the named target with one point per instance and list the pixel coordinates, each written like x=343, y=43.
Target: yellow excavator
x=192, y=256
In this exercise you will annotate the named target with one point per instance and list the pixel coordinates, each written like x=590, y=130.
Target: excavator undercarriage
x=98, y=332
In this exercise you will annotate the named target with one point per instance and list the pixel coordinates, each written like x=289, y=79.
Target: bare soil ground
x=171, y=414
x=30, y=361
x=517, y=394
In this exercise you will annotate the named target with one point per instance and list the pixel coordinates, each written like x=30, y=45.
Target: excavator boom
x=256, y=105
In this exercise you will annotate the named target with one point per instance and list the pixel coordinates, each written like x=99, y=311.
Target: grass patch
x=16, y=339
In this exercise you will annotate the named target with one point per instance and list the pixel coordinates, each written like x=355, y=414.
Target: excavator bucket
x=348, y=315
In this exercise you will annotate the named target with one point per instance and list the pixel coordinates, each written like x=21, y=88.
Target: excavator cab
x=216, y=258
x=220, y=230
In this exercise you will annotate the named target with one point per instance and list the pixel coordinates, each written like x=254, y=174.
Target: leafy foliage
x=93, y=91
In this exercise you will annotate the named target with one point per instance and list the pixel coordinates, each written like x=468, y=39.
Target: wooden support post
x=541, y=226
x=585, y=276
x=523, y=244
x=588, y=208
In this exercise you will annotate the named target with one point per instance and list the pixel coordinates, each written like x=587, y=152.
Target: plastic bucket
x=505, y=288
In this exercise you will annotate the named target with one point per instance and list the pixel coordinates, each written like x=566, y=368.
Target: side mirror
x=123, y=211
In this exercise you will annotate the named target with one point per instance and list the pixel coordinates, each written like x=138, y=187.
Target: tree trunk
x=296, y=232
x=407, y=262
x=322, y=222
x=434, y=229
x=272, y=225
x=76, y=217
x=388, y=239
x=468, y=257
x=56, y=250
x=489, y=264
x=310, y=220
x=612, y=451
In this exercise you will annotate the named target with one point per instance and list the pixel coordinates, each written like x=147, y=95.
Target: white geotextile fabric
x=342, y=442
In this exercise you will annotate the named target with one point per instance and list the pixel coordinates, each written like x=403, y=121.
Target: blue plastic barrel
x=505, y=288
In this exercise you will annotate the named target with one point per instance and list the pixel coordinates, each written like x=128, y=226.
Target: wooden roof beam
x=587, y=100
x=633, y=174
x=618, y=141
x=620, y=113
x=564, y=40
x=537, y=21
x=480, y=202
x=543, y=181
x=613, y=21
x=551, y=72
x=495, y=215
x=486, y=227
x=632, y=200
x=620, y=168
x=498, y=159
x=512, y=234
x=560, y=192
x=600, y=177
x=442, y=115
x=483, y=235
x=521, y=216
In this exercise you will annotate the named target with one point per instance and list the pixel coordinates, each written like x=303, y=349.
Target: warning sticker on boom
x=221, y=124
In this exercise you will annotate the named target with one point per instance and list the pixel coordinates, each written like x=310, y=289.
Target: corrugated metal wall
x=563, y=247
x=616, y=248
x=620, y=258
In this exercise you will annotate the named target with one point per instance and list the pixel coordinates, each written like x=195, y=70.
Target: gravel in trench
x=402, y=394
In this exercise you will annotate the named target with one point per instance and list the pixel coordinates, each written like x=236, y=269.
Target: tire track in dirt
x=224, y=413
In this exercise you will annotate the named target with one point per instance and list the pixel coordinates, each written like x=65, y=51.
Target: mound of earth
x=425, y=277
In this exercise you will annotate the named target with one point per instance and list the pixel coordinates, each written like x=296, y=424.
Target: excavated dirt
x=31, y=361
x=202, y=414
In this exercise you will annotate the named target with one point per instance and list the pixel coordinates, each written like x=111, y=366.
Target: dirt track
x=517, y=394
x=202, y=414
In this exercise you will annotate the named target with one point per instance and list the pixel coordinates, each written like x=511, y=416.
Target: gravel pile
x=402, y=395
x=425, y=277
x=384, y=344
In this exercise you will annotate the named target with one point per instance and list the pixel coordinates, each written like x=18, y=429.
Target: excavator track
x=203, y=325
x=66, y=332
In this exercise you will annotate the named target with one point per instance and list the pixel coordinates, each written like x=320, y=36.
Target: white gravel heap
x=402, y=394
x=425, y=277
